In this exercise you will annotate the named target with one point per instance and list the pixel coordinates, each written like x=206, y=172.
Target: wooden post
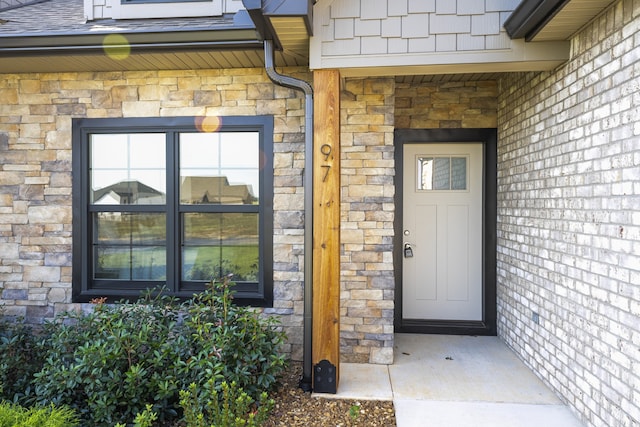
x=326, y=229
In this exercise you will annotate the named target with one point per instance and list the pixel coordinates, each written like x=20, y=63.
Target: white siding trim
x=520, y=57
x=417, y=36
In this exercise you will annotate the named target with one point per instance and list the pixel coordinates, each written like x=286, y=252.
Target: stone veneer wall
x=569, y=220
x=438, y=105
x=367, y=212
x=35, y=171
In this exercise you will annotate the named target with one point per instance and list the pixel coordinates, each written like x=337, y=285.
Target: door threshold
x=446, y=327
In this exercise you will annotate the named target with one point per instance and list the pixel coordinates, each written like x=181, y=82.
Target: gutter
x=240, y=35
x=531, y=16
x=84, y=49
x=291, y=82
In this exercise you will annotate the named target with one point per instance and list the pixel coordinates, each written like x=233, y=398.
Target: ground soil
x=295, y=408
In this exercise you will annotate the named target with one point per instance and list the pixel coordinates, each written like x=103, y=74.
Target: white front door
x=442, y=232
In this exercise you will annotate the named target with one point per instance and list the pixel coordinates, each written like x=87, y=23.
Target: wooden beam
x=326, y=221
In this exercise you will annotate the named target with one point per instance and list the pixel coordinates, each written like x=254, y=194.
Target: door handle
x=408, y=250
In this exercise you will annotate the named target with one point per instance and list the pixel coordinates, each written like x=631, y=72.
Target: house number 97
x=325, y=150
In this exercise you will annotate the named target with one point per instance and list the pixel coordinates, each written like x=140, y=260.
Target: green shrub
x=144, y=419
x=21, y=356
x=245, y=344
x=230, y=408
x=12, y=415
x=109, y=364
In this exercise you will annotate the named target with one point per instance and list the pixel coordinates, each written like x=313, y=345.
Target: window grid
x=137, y=244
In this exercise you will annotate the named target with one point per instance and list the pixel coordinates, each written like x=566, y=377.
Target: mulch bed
x=294, y=408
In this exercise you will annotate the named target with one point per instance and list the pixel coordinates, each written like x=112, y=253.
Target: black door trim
x=488, y=137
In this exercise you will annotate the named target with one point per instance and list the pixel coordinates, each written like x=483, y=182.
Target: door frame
x=488, y=138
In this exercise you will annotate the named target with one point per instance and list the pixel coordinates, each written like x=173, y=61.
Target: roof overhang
x=552, y=20
x=53, y=44
x=236, y=44
x=289, y=23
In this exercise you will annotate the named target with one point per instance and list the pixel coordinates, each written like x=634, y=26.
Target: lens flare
x=208, y=123
x=116, y=46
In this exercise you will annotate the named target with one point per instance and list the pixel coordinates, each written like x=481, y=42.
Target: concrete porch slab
x=432, y=413
x=365, y=382
x=463, y=368
x=462, y=381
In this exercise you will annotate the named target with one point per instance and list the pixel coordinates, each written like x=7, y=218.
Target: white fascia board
x=521, y=56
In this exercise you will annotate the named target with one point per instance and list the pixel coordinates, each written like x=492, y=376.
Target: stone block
x=14, y=294
x=141, y=108
x=207, y=98
x=49, y=214
x=41, y=274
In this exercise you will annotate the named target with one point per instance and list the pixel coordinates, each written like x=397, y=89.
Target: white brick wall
x=568, y=222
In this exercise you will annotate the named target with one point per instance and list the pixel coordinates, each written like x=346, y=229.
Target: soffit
x=552, y=20
x=293, y=36
x=571, y=18
x=194, y=60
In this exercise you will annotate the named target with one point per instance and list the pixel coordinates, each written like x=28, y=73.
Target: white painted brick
x=565, y=210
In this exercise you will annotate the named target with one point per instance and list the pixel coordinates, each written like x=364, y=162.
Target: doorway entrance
x=445, y=231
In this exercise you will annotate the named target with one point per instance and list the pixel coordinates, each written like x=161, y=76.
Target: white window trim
x=165, y=10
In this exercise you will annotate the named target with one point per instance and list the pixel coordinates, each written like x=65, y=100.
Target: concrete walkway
x=456, y=381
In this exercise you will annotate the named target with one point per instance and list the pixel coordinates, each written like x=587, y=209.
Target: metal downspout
x=306, y=380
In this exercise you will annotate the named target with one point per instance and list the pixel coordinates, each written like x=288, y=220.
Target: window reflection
x=217, y=244
x=215, y=168
x=219, y=168
x=128, y=169
x=129, y=246
x=442, y=173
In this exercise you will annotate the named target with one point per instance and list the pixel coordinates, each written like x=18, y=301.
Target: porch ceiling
x=444, y=78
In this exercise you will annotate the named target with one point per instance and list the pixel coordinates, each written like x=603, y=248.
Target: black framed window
x=173, y=203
